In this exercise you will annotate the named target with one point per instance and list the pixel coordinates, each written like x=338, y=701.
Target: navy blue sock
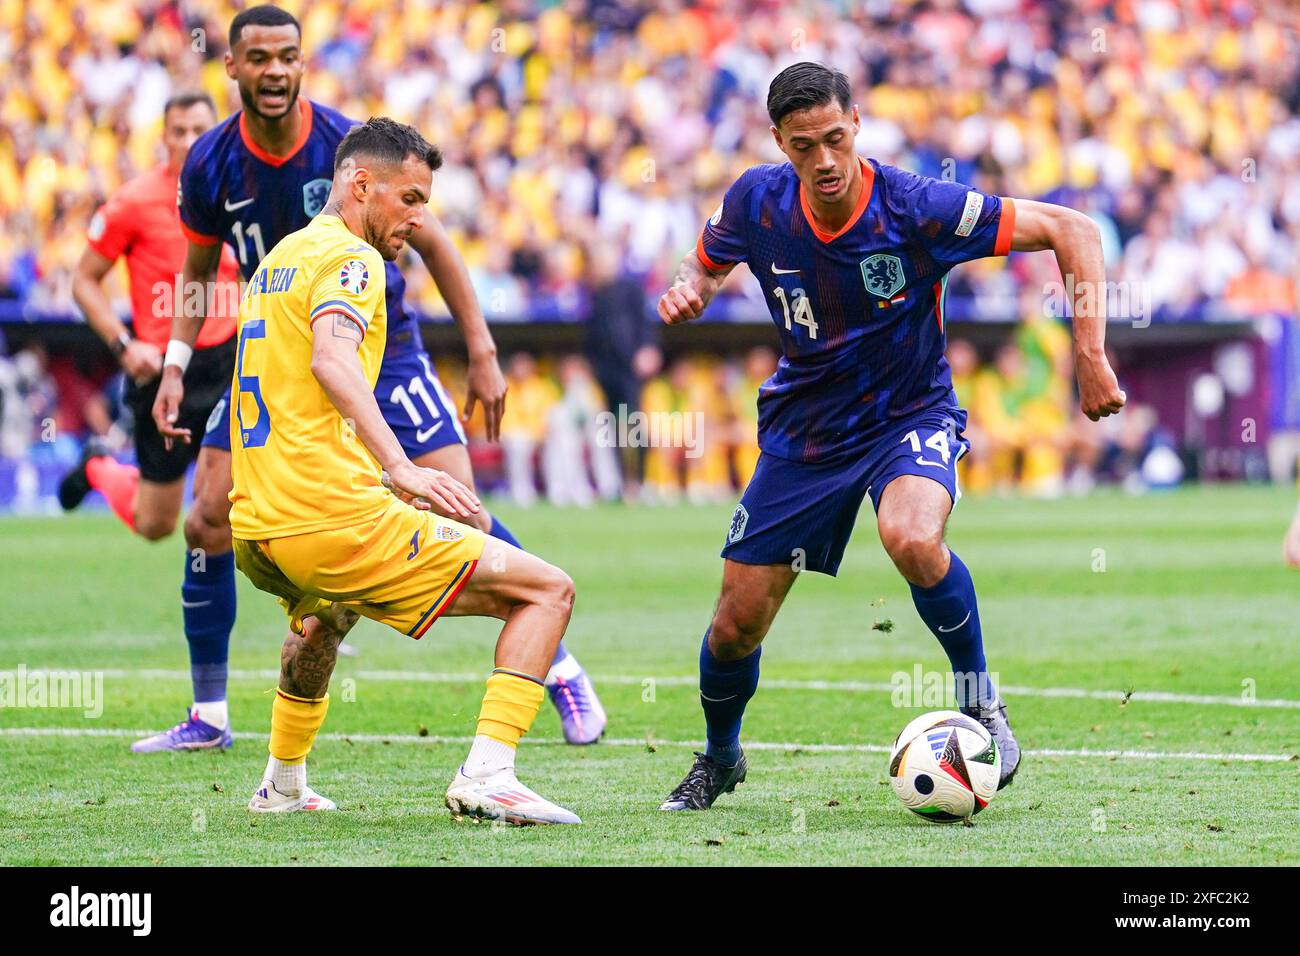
x=725, y=689
x=951, y=612
x=498, y=530
x=501, y=532
x=208, y=606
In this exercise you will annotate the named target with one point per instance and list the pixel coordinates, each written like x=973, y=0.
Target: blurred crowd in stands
x=565, y=441
x=587, y=140
x=620, y=122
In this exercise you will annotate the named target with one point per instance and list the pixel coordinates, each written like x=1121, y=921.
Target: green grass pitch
x=1179, y=598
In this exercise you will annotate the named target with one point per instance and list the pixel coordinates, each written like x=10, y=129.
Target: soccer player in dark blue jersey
x=852, y=256
x=250, y=181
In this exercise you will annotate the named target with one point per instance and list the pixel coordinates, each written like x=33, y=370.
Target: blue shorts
x=217, y=433
x=802, y=513
x=415, y=405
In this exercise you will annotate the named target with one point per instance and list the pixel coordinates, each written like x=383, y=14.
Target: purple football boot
x=581, y=715
x=189, y=734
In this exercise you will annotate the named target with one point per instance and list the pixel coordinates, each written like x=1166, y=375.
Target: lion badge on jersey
x=314, y=195
x=354, y=276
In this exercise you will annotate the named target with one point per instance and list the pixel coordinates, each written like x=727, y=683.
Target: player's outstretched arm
x=484, y=381
x=1076, y=240
x=201, y=264
x=335, y=364
x=694, y=286
x=140, y=360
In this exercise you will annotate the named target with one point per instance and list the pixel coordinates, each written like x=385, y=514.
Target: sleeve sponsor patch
x=971, y=213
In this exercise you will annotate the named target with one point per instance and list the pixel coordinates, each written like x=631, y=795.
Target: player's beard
x=377, y=238
x=249, y=101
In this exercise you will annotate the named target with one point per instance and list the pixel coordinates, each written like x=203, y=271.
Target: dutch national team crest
x=314, y=195
x=739, y=518
x=354, y=276
x=882, y=274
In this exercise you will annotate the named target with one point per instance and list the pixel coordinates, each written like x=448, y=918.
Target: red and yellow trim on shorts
x=448, y=595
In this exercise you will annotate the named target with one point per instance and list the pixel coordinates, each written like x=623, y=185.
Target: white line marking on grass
x=366, y=738
x=845, y=687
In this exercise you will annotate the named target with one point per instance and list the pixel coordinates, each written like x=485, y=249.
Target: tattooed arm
x=334, y=361
x=693, y=287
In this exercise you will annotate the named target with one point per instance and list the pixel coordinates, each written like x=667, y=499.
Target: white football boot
x=267, y=799
x=500, y=796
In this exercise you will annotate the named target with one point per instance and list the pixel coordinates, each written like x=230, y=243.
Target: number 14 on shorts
x=937, y=442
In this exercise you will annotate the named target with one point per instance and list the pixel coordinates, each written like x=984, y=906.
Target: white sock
x=567, y=669
x=212, y=712
x=487, y=756
x=289, y=778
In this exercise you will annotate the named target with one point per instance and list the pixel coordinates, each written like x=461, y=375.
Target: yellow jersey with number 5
x=297, y=465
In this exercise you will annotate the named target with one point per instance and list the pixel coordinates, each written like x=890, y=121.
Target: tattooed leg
x=307, y=659
x=299, y=709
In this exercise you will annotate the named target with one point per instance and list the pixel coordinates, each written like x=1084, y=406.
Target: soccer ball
x=945, y=766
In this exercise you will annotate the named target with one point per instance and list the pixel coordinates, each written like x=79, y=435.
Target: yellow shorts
x=402, y=568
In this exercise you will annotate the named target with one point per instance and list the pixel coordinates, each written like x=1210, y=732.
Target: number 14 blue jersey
x=860, y=311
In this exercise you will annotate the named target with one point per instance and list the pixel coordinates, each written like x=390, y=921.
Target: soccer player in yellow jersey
x=331, y=517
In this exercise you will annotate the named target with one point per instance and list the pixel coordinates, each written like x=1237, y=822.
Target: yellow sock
x=294, y=723
x=509, y=707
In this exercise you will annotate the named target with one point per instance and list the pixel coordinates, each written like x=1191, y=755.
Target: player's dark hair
x=388, y=141
x=803, y=86
x=188, y=98
x=265, y=15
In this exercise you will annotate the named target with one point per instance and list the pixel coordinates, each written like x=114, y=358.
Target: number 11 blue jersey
x=231, y=190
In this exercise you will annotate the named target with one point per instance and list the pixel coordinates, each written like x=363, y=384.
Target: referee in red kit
x=140, y=221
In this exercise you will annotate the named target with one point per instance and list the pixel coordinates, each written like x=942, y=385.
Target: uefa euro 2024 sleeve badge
x=354, y=276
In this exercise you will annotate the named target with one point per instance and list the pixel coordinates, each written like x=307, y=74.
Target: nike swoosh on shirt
x=426, y=435
x=781, y=272
x=231, y=207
